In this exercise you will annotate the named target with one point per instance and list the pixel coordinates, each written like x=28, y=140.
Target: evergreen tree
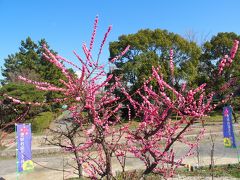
x=213, y=51
x=27, y=62
x=151, y=48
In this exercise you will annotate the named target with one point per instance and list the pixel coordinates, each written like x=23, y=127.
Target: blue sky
x=65, y=24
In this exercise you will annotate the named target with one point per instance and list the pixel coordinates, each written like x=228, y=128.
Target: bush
x=42, y=121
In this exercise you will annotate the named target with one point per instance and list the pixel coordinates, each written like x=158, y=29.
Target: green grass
x=136, y=175
x=216, y=116
x=2, y=147
x=231, y=170
x=42, y=121
x=129, y=175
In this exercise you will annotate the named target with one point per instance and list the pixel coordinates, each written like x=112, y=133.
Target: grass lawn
x=231, y=170
x=216, y=116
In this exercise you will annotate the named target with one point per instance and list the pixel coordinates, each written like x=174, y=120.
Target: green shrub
x=42, y=121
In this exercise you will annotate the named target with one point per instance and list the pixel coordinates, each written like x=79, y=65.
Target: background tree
x=213, y=51
x=9, y=115
x=27, y=62
x=151, y=48
x=24, y=92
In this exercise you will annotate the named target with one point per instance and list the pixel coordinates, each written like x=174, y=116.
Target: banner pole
x=234, y=134
x=17, y=174
x=236, y=144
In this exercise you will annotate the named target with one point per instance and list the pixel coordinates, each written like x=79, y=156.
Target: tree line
x=194, y=64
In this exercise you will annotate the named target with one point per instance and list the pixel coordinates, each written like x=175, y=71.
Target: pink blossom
x=171, y=64
x=78, y=98
x=227, y=61
x=121, y=54
x=103, y=42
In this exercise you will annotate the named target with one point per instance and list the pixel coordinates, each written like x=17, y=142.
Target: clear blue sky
x=65, y=24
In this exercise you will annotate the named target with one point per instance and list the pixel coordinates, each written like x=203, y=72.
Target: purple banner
x=228, y=134
x=24, y=143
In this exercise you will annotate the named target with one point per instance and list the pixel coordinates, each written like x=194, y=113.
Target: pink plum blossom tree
x=96, y=110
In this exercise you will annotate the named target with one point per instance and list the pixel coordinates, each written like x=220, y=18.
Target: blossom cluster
x=171, y=64
x=226, y=61
x=153, y=138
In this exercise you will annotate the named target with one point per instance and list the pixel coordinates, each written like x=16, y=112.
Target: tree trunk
x=108, y=166
x=79, y=165
x=108, y=170
x=234, y=116
x=150, y=169
x=212, y=155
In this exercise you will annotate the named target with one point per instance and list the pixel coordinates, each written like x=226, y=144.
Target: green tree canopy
x=27, y=62
x=213, y=51
x=24, y=92
x=151, y=48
